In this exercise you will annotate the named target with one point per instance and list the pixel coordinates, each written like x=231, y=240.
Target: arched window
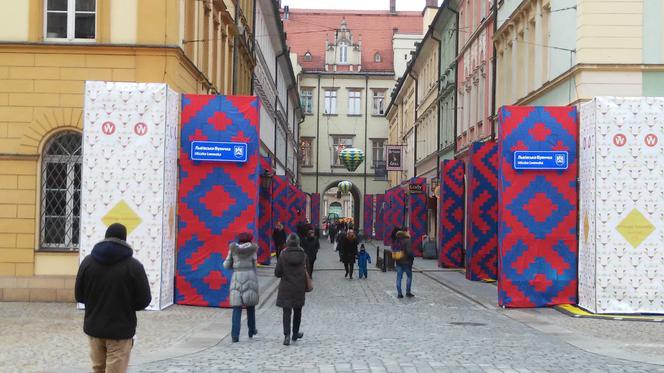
x=307, y=56
x=343, y=52
x=61, y=192
x=377, y=57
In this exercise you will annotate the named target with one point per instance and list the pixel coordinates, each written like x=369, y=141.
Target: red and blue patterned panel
x=451, y=214
x=538, y=210
x=380, y=222
x=315, y=210
x=265, y=216
x=216, y=200
x=419, y=215
x=396, y=208
x=482, y=210
x=297, y=204
x=387, y=217
x=280, y=211
x=368, y=215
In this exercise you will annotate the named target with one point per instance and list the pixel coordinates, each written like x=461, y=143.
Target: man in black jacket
x=279, y=238
x=113, y=286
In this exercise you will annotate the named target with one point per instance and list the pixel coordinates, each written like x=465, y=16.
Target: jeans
x=297, y=318
x=110, y=355
x=237, y=320
x=401, y=268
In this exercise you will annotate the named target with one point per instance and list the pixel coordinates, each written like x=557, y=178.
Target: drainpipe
x=366, y=126
x=493, y=73
x=317, y=131
x=456, y=76
x=438, y=122
x=253, y=45
x=235, y=41
x=415, y=125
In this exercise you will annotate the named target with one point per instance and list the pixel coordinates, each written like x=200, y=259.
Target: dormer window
x=378, y=57
x=343, y=52
x=307, y=56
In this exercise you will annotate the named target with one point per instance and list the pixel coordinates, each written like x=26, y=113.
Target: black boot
x=252, y=333
x=235, y=339
x=297, y=336
x=287, y=340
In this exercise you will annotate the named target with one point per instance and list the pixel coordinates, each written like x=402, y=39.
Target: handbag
x=310, y=282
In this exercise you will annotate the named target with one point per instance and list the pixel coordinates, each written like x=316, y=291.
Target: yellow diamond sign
x=635, y=228
x=122, y=213
x=586, y=227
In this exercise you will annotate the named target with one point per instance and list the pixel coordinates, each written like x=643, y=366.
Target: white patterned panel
x=629, y=213
x=124, y=159
x=587, y=250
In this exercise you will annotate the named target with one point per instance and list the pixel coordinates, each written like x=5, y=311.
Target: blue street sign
x=541, y=160
x=212, y=151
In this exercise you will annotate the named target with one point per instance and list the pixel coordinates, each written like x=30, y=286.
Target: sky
x=355, y=4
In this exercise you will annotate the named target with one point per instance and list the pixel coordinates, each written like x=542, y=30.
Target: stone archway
x=356, y=199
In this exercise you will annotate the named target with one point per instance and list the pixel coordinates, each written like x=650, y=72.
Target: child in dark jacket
x=363, y=258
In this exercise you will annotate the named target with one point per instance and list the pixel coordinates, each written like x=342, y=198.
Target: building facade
x=276, y=87
x=474, y=74
x=47, y=52
x=346, y=71
x=569, y=51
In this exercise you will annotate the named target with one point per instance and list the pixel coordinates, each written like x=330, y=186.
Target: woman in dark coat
x=348, y=249
x=291, y=269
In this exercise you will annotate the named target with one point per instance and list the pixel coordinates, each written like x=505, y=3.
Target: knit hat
x=117, y=230
x=293, y=240
x=245, y=237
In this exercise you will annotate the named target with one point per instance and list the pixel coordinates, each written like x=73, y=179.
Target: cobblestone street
x=452, y=325
x=361, y=326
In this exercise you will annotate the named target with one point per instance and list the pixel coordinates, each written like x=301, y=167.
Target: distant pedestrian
x=348, y=249
x=279, y=237
x=292, y=270
x=402, y=252
x=332, y=231
x=341, y=233
x=243, y=291
x=311, y=245
x=363, y=258
x=113, y=286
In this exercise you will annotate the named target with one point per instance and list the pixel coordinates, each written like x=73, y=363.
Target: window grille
x=61, y=193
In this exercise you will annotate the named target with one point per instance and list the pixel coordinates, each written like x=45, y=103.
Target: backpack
x=398, y=255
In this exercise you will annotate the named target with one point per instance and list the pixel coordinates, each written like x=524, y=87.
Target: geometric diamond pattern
x=538, y=244
x=635, y=228
x=394, y=214
x=368, y=215
x=418, y=210
x=216, y=200
x=265, y=216
x=451, y=214
x=482, y=231
x=380, y=222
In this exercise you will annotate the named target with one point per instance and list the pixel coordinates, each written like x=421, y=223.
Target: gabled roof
x=308, y=29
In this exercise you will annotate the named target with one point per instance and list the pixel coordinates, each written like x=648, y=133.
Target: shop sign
x=416, y=188
x=394, y=157
x=211, y=151
x=541, y=160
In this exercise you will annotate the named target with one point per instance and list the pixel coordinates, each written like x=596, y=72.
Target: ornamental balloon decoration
x=351, y=158
x=344, y=187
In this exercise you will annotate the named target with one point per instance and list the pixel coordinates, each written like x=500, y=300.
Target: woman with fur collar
x=243, y=290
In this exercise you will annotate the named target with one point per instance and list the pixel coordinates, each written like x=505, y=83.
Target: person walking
x=404, y=261
x=311, y=245
x=332, y=231
x=348, y=249
x=363, y=258
x=279, y=237
x=243, y=290
x=113, y=286
x=292, y=270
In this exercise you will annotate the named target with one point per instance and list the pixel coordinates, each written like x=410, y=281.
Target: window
x=306, y=151
x=307, y=56
x=354, y=102
x=70, y=19
x=379, y=102
x=306, y=96
x=378, y=150
x=340, y=143
x=343, y=52
x=377, y=57
x=61, y=193
x=330, y=101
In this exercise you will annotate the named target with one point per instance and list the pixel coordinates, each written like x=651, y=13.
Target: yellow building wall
x=13, y=20
x=41, y=93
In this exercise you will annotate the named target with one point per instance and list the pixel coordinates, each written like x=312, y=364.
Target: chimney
x=393, y=6
x=432, y=4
